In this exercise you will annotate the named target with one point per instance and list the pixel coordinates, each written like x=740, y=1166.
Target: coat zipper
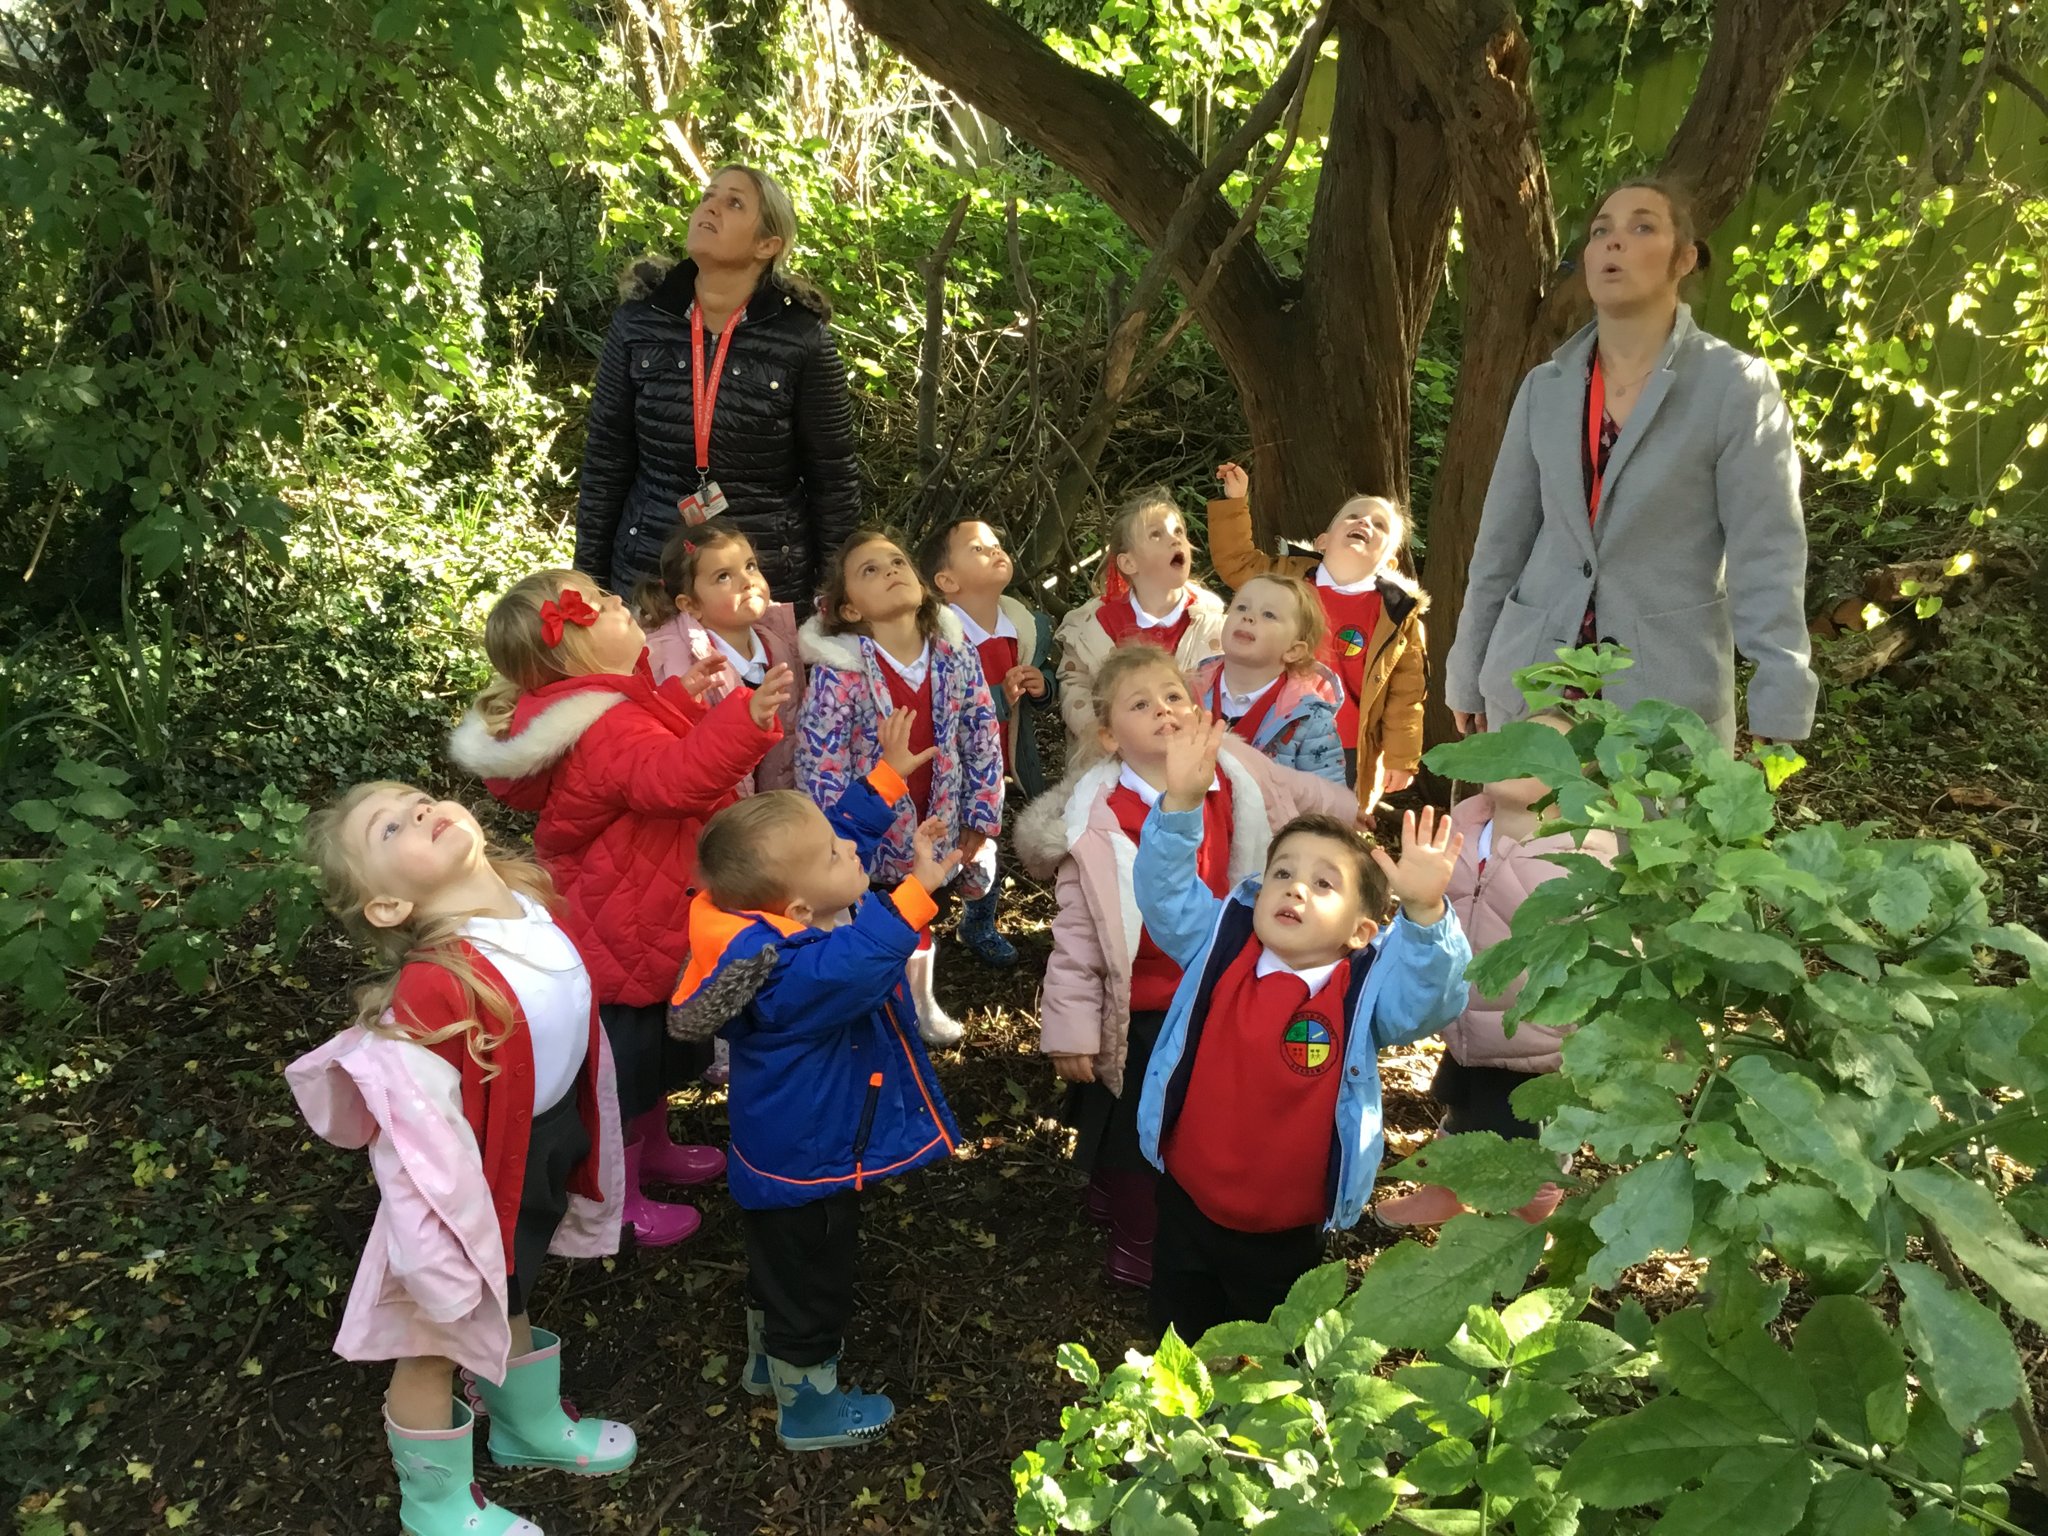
x=867, y=1125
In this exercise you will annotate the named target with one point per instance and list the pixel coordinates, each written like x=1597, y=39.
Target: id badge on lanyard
x=707, y=501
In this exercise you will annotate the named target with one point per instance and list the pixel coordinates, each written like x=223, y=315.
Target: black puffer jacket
x=781, y=439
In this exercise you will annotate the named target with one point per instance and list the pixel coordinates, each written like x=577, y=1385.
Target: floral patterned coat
x=838, y=741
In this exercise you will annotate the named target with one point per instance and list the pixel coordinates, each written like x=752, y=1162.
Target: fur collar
x=842, y=652
x=649, y=275
x=1052, y=826
x=538, y=745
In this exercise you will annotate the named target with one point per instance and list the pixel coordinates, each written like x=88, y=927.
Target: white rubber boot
x=934, y=1024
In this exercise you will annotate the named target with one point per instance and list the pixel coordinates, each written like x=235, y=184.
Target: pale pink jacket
x=682, y=642
x=1086, y=1004
x=432, y=1276
x=1485, y=904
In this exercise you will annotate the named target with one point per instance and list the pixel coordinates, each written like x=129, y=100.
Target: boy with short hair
x=963, y=560
x=1261, y=1104
x=803, y=972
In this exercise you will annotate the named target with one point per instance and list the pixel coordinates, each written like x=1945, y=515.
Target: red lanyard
x=703, y=390
x=1596, y=413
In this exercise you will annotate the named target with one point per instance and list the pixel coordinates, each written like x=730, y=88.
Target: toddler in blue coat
x=804, y=973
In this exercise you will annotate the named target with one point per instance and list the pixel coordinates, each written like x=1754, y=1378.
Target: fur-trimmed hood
x=672, y=281
x=545, y=728
x=842, y=652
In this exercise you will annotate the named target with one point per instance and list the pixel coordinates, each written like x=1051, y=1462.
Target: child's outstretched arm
x=1178, y=909
x=1232, y=550
x=693, y=775
x=869, y=808
x=1426, y=950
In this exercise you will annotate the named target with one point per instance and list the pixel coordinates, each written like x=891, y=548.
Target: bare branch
x=932, y=346
x=2023, y=85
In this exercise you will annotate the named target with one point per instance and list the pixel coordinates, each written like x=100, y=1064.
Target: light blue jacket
x=1300, y=730
x=1413, y=986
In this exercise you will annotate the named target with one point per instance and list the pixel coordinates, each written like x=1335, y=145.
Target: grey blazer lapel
x=1655, y=388
x=1557, y=420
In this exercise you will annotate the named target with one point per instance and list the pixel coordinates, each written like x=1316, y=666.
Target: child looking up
x=883, y=642
x=1504, y=859
x=1262, y=1101
x=712, y=601
x=623, y=773
x=1107, y=984
x=1375, y=639
x=804, y=971
x=1148, y=595
x=964, y=562
x=1268, y=684
x=478, y=1080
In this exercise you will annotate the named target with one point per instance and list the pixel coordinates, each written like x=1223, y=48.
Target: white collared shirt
x=976, y=635
x=1344, y=589
x=1237, y=705
x=546, y=975
x=1312, y=978
x=913, y=672
x=1130, y=780
x=1168, y=620
x=751, y=669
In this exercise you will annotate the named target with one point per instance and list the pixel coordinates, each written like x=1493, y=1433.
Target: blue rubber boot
x=533, y=1425
x=437, y=1490
x=818, y=1414
x=756, y=1380
x=978, y=932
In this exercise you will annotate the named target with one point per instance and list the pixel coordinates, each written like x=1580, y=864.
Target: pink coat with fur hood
x=1485, y=901
x=678, y=645
x=432, y=1277
x=1086, y=1006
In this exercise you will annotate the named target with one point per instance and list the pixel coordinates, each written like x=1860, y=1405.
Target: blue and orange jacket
x=831, y=1088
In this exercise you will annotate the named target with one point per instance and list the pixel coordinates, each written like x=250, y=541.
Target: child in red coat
x=624, y=772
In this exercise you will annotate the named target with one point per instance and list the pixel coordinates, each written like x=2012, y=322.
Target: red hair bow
x=568, y=608
x=1114, y=585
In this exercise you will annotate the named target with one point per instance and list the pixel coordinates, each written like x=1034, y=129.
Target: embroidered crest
x=1305, y=1045
x=1351, y=640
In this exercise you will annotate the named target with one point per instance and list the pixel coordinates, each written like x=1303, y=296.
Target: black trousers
x=1204, y=1274
x=1477, y=1100
x=555, y=1145
x=800, y=1263
x=649, y=1065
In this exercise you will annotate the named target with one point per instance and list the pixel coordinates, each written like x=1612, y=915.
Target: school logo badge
x=1351, y=640
x=1305, y=1046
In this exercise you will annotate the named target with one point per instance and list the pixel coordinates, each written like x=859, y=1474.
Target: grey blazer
x=1700, y=547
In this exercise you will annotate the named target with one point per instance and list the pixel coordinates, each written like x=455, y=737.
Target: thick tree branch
x=2023, y=85
x=931, y=351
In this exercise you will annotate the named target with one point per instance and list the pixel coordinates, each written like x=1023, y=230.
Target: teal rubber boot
x=533, y=1425
x=818, y=1414
x=756, y=1381
x=437, y=1490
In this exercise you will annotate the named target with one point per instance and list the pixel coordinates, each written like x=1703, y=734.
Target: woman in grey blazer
x=1647, y=493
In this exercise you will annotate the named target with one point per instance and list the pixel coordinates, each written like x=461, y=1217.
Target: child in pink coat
x=480, y=1082
x=1107, y=986
x=713, y=601
x=1503, y=861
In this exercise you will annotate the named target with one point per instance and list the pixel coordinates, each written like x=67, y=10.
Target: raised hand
x=1191, y=762
x=971, y=843
x=776, y=690
x=894, y=737
x=703, y=675
x=930, y=870
x=1421, y=875
x=1236, y=483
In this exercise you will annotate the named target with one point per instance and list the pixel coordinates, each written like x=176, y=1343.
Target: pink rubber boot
x=1095, y=1199
x=663, y=1161
x=653, y=1223
x=1133, y=1224
x=1428, y=1206
x=1538, y=1210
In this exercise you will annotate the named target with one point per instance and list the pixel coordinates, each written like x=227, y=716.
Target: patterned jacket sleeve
x=1316, y=748
x=611, y=455
x=825, y=446
x=824, y=745
x=981, y=752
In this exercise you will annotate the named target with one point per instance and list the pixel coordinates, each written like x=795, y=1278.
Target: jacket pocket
x=652, y=359
x=1683, y=656
x=1521, y=638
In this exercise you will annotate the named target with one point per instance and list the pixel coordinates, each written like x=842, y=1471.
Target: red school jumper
x=998, y=654
x=1154, y=976
x=1119, y=620
x=500, y=1110
x=903, y=696
x=1252, y=1144
x=1351, y=618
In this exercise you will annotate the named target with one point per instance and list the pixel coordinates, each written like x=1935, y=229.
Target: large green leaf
x=1752, y=958
x=1785, y=1115
x=1651, y=1211
x=1817, y=1233
x=1856, y=1369
x=1519, y=749
x=1746, y=1375
x=1486, y=1171
x=1720, y=1155
x=1653, y=1452
x=1738, y=803
x=1756, y=1492
x=1965, y=1357
x=1414, y=1297
x=1983, y=1236
x=1851, y=1504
